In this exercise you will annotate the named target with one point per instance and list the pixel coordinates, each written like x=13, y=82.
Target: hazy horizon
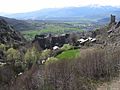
x=21, y=6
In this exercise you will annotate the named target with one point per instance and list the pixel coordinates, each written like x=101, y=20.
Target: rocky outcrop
x=8, y=38
x=8, y=35
x=110, y=35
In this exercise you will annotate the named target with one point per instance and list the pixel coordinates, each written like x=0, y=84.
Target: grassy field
x=50, y=28
x=69, y=54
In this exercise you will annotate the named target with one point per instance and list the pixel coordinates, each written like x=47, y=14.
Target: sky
x=19, y=6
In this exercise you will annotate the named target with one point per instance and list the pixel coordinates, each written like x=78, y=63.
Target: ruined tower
x=113, y=19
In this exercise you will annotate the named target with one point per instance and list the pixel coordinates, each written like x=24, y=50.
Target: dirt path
x=113, y=85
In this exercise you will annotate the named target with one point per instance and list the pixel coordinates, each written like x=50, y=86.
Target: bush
x=14, y=58
x=2, y=47
x=46, y=53
x=32, y=55
x=99, y=63
x=51, y=60
x=13, y=55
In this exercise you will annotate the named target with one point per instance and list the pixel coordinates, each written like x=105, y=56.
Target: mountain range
x=93, y=13
x=28, y=20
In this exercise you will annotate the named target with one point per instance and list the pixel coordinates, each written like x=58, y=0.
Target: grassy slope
x=69, y=54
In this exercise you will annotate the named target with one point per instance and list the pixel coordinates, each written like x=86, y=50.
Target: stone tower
x=113, y=19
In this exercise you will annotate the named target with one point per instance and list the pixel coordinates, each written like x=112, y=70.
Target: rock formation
x=8, y=35
x=110, y=35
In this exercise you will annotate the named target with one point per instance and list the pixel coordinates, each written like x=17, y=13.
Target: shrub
x=51, y=60
x=13, y=55
x=2, y=47
x=46, y=53
x=99, y=63
x=32, y=55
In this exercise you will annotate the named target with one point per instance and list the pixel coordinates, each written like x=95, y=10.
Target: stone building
x=49, y=41
x=112, y=20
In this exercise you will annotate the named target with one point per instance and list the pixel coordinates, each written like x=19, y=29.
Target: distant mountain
x=18, y=25
x=69, y=13
x=103, y=20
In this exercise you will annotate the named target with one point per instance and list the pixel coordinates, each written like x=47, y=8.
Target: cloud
x=15, y=6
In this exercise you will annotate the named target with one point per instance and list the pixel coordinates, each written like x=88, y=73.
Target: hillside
x=18, y=25
x=8, y=35
x=75, y=61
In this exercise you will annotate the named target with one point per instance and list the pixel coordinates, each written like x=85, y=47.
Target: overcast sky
x=18, y=6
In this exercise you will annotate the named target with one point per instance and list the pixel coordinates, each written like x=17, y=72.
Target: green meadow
x=69, y=54
x=50, y=28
